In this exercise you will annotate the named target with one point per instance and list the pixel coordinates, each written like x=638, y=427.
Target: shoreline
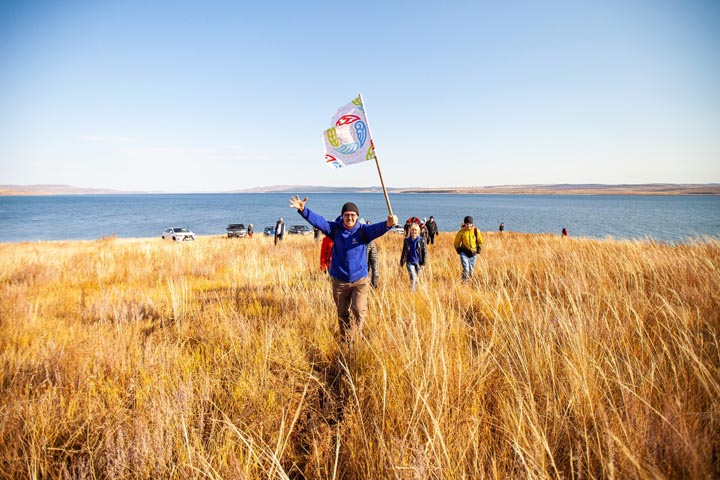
x=655, y=189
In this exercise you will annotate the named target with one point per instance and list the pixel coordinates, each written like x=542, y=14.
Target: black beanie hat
x=350, y=207
x=468, y=219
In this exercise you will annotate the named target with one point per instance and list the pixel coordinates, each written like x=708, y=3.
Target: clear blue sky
x=215, y=96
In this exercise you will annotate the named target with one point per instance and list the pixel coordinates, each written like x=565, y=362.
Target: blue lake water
x=87, y=217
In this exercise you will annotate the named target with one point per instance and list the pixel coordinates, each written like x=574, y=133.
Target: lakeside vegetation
x=563, y=358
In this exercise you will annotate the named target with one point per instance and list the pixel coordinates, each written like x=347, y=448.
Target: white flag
x=348, y=140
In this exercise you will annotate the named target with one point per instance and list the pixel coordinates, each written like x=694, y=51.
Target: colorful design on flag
x=348, y=141
x=332, y=161
x=370, y=151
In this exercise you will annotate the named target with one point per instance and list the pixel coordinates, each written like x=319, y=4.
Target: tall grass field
x=220, y=358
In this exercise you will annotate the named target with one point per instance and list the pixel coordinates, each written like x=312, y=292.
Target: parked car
x=300, y=230
x=179, y=234
x=236, y=230
x=397, y=229
x=269, y=230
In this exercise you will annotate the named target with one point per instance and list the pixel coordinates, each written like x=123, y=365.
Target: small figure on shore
x=250, y=231
x=424, y=231
x=501, y=228
x=317, y=234
x=326, y=254
x=348, y=267
x=413, y=254
x=468, y=243
x=432, y=230
x=279, y=230
x=372, y=252
x=564, y=232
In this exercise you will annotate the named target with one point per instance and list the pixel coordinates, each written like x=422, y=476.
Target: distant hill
x=585, y=189
x=52, y=190
x=550, y=189
x=553, y=189
x=20, y=190
x=311, y=189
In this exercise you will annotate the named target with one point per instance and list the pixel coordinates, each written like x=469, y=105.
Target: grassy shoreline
x=570, y=358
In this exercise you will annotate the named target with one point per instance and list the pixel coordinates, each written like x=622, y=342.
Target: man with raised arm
x=348, y=268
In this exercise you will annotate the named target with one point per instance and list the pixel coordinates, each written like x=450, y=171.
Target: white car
x=397, y=229
x=179, y=234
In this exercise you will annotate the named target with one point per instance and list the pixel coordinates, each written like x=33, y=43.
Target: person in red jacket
x=326, y=254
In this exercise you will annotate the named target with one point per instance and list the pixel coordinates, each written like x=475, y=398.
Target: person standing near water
x=432, y=230
x=279, y=230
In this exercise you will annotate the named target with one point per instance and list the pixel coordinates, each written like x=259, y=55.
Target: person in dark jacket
x=413, y=254
x=424, y=232
x=279, y=230
x=432, y=229
x=348, y=268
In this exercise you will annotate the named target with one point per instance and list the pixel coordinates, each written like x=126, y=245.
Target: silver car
x=179, y=234
x=236, y=230
x=300, y=230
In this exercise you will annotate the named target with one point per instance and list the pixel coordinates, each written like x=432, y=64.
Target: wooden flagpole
x=377, y=162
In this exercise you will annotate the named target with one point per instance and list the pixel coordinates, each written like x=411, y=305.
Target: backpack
x=477, y=240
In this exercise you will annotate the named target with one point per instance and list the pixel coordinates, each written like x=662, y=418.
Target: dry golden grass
x=563, y=358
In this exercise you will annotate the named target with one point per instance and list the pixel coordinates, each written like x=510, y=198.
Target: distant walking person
x=501, y=228
x=250, y=231
x=348, y=268
x=372, y=260
x=468, y=243
x=432, y=230
x=279, y=230
x=564, y=232
x=413, y=254
x=424, y=231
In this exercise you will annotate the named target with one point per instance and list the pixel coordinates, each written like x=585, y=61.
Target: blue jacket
x=349, y=255
x=413, y=255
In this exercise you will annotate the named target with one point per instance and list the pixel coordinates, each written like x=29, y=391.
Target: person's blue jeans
x=413, y=270
x=468, y=266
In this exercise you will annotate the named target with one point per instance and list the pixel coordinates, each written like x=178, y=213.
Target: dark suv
x=236, y=230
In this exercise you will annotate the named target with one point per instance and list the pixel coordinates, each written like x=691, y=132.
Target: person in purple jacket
x=348, y=268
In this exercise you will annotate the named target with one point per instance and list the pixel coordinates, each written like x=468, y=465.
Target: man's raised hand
x=295, y=202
